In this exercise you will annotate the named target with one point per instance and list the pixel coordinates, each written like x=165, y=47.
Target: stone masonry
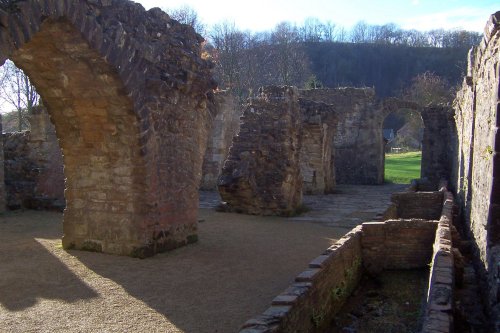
x=3, y=194
x=262, y=173
x=317, y=153
x=34, y=174
x=358, y=147
x=224, y=127
x=477, y=167
x=127, y=91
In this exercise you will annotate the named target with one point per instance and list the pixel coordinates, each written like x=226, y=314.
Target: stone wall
x=3, y=192
x=477, y=166
x=225, y=126
x=317, y=294
x=358, y=143
x=34, y=174
x=317, y=154
x=127, y=90
x=418, y=205
x=262, y=173
x=438, y=144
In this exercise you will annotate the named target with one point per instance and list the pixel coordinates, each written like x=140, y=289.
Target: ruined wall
x=438, y=144
x=359, y=147
x=477, y=109
x=224, y=127
x=34, y=175
x=317, y=154
x=262, y=173
x=3, y=193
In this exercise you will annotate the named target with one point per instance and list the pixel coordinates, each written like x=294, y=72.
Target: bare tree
x=359, y=33
x=289, y=57
x=429, y=88
x=187, y=15
x=228, y=45
x=17, y=91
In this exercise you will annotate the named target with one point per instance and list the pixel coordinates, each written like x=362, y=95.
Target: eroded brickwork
x=477, y=108
x=34, y=174
x=127, y=92
x=3, y=192
x=262, y=173
x=224, y=127
x=317, y=154
x=359, y=148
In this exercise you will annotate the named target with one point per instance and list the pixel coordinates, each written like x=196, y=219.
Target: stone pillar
x=262, y=173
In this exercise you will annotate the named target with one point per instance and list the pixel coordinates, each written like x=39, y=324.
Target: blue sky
x=258, y=15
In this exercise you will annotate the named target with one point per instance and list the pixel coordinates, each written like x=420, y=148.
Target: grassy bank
x=402, y=168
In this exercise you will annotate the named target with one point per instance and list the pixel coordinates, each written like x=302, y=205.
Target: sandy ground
x=238, y=266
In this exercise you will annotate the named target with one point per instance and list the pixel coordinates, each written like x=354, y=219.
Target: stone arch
x=439, y=136
x=126, y=89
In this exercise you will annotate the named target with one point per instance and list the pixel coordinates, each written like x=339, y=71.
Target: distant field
x=402, y=168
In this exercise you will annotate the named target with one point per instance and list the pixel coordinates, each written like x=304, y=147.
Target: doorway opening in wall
x=403, y=134
x=33, y=171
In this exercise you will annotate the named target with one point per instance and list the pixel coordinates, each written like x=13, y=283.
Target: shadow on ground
x=28, y=271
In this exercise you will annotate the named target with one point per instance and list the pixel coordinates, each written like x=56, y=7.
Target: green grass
x=402, y=168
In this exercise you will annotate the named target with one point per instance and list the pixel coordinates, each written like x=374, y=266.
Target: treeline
x=317, y=54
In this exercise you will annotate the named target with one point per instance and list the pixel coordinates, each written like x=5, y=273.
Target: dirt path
x=239, y=265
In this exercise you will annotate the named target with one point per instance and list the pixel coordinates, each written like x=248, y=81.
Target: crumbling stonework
x=438, y=144
x=224, y=127
x=127, y=92
x=262, y=173
x=34, y=174
x=317, y=154
x=3, y=193
x=477, y=108
x=358, y=144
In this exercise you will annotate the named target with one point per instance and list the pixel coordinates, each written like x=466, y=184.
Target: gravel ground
x=239, y=265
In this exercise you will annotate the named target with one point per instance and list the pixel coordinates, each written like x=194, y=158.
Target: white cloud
x=415, y=2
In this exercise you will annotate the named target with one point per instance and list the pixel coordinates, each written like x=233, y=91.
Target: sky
x=261, y=15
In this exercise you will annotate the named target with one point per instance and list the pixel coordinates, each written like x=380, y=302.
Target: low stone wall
x=439, y=309
x=418, y=205
x=318, y=293
x=397, y=244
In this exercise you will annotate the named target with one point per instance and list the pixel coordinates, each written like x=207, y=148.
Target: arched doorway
x=129, y=107
x=403, y=135
x=438, y=138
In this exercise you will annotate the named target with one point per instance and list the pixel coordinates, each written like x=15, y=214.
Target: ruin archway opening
x=403, y=132
x=98, y=134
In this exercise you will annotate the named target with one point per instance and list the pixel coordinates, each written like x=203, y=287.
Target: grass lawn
x=402, y=168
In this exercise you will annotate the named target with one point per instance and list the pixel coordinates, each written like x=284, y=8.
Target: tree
x=429, y=88
x=313, y=83
x=18, y=92
x=289, y=57
x=187, y=15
